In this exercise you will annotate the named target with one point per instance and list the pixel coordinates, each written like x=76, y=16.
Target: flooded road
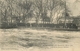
x=15, y=39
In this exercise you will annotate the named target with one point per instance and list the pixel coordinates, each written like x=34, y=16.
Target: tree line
x=25, y=10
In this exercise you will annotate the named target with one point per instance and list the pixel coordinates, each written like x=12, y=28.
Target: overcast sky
x=74, y=6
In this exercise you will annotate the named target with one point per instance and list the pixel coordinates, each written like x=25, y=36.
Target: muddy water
x=16, y=39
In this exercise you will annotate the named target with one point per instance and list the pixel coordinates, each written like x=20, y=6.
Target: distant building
x=67, y=20
x=74, y=20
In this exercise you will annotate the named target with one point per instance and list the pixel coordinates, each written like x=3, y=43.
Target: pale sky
x=74, y=6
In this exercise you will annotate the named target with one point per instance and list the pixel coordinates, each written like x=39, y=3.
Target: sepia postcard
x=39, y=25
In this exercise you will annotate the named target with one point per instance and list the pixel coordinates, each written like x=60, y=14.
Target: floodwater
x=31, y=39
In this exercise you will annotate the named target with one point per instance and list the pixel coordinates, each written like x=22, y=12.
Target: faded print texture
x=39, y=25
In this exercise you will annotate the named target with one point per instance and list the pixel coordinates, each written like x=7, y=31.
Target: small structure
x=76, y=20
x=68, y=20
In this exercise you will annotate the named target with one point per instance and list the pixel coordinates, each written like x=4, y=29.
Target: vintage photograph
x=39, y=25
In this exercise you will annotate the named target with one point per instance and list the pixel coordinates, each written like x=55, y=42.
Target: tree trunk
x=51, y=19
x=5, y=16
x=37, y=19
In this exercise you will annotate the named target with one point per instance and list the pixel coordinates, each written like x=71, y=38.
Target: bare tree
x=26, y=10
x=39, y=5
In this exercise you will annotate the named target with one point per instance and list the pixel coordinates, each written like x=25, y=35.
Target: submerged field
x=26, y=38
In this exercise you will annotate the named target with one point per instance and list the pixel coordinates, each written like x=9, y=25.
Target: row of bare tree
x=25, y=10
